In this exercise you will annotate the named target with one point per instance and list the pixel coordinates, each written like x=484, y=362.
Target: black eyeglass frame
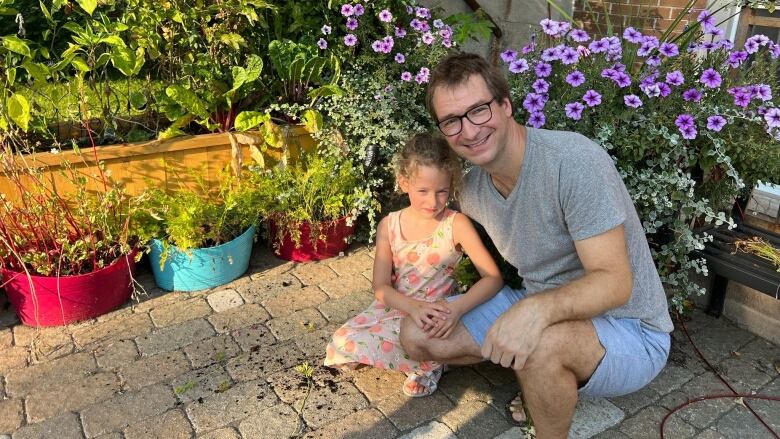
x=466, y=115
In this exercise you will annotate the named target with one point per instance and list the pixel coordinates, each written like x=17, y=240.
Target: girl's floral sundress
x=421, y=270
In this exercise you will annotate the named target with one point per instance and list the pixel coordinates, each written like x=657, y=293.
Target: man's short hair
x=457, y=68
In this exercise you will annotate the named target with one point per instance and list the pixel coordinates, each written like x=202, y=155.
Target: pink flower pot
x=80, y=297
x=334, y=243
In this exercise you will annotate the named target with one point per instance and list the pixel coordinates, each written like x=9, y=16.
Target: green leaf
x=19, y=110
x=11, y=75
x=46, y=12
x=312, y=119
x=79, y=63
x=38, y=71
x=16, y=45
x=188, y=100
x=246, y=120
x=123, y=58
x=326, y=90
x=254, y=67
x=57, y=4
x=113, y=40
x=239, y=77
x=88, y=5
x=137, y=100
x=235, y=41
x=140, y=59
x=170, y=133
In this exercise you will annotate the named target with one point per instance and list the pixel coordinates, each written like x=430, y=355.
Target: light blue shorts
x=634, y=354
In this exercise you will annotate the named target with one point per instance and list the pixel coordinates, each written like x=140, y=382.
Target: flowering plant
x=690, y=121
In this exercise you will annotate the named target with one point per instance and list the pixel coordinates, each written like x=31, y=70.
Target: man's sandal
x=515, y=410
x=428, y=380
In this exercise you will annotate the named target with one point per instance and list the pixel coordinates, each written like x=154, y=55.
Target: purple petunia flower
x=446, y=32
x=685, y=120
x=446, y=42
x=406, y=76
x=651, y=90
x=592, y=98
x=772, y=117
x=322, y=44
x=715, y=122
x=536, y=119
x=347, y=10
x=416, y=25
x=508, y=55
x=622, y=80
x=385, y=16
x=653, y=61
x=707, y=20
x=632, y=101
x=569, y=55
x=599, y=46
x=764, y=92
x=726, y=44
x=742, y=99
x=691, y=94
x=669, y=49
x=574, y=110
x=632, y=35
x=710, y=78
x=751, y=46
x=519, y=65
x=438, y=24
x=352, y=23
x=575, y=78
x=716, y=32
x=664, y=89
x=543, y=69
x=550, y=54
x=326, y=29
x=609, y=73
x=579, y=35
x=675, y=78
x=400, y=32
x=528, y=48
x=400, y=58
x=427, y=38
x=350, y=40
x=689, y=132
x=422, y=12
x=550, y=27
x=541, y=86
x=534, y=102
x=359, y=10
x=377, y=46
x=774, y=51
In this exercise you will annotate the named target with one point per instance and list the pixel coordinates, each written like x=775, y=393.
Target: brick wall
x=647, y=16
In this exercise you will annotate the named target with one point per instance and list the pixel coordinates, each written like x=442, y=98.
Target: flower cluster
x=690, y=120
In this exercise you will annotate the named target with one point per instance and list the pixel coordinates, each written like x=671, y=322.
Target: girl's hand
x=426, y=314
x=443, y=328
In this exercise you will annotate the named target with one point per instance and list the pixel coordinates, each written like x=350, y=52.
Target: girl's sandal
x=515, y=410
x=428, y=380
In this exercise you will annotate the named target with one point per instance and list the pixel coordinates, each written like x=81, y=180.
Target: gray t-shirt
x=568, y=190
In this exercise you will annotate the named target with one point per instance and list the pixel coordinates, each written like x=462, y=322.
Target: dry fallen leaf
x=777, y=366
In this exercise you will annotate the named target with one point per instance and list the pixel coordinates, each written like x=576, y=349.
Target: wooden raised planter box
x=167, y=164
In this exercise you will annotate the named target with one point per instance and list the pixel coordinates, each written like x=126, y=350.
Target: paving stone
x=743, y=376
x=327, y=404
x=592, y=416
x=127, y=409
x=224, y=300
x=769, y=410
x=709, y=434
x=313, y=273
x=296, y=324
x=201, y=383
x=433, y=430
x=170, y=425
x=497, y=375
x=682, y=355
x=255, y=336
x=635, y=401
x=354, y=263
x=718, y=341
x=740, y=423
x=645, y=424
x=6, y=338
x=44, y=343
x=762, y=355
x=122, y=328
x=284, y=304
x=363, y=424
x=265, y=287
x=277, y=422
x=239, y=402
x=14, y=357
x=116, y=354
x=313, y=343
x=180, y=312
x=378, y=384
x=159, y=298
x=215, y=349
x=264, y=263
x=340, y=310
x=610, y=434
x=673, y=400
x=174, y=337
x=512, y=433
x=63, y=397
x=151, y=370
x=702, y=414
x=474, y=418
x=238, y=317
x=464, y=384
x=670, y=378
x=222, y=433
x=346, y=285
x=264, y=361
x=406, y=413
x=65, y=426
x=63, y=370
x=11, y=413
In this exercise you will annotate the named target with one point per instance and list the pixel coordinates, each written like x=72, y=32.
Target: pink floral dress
x=421, y=270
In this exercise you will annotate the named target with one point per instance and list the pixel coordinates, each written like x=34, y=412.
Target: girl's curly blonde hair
x=426, y=149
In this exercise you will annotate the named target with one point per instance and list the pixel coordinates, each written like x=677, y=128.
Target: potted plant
x=201, y=238
x=66, y=253
x=313, y=210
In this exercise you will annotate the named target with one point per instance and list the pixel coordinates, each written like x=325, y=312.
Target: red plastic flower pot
x=38, y=303
x=334, y=243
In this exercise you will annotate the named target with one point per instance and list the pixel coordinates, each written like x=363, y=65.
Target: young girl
x=417, y=249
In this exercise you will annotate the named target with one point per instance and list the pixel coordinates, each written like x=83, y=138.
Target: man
x=592, y=318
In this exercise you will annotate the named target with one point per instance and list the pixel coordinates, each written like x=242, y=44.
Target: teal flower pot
x=201, y=268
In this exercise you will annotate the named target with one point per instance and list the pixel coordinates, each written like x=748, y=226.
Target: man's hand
x=426, y=314
x=515, y=334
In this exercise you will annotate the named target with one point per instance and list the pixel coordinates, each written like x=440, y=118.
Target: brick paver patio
x=222, y=364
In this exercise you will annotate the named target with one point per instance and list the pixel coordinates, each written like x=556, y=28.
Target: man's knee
x=572, y=345
x=412, y=340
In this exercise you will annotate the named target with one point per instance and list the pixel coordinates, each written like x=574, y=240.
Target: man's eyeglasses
x=477, y=116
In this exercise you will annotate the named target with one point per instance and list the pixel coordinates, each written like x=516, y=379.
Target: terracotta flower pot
x=334, y=243
x=59, y=300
